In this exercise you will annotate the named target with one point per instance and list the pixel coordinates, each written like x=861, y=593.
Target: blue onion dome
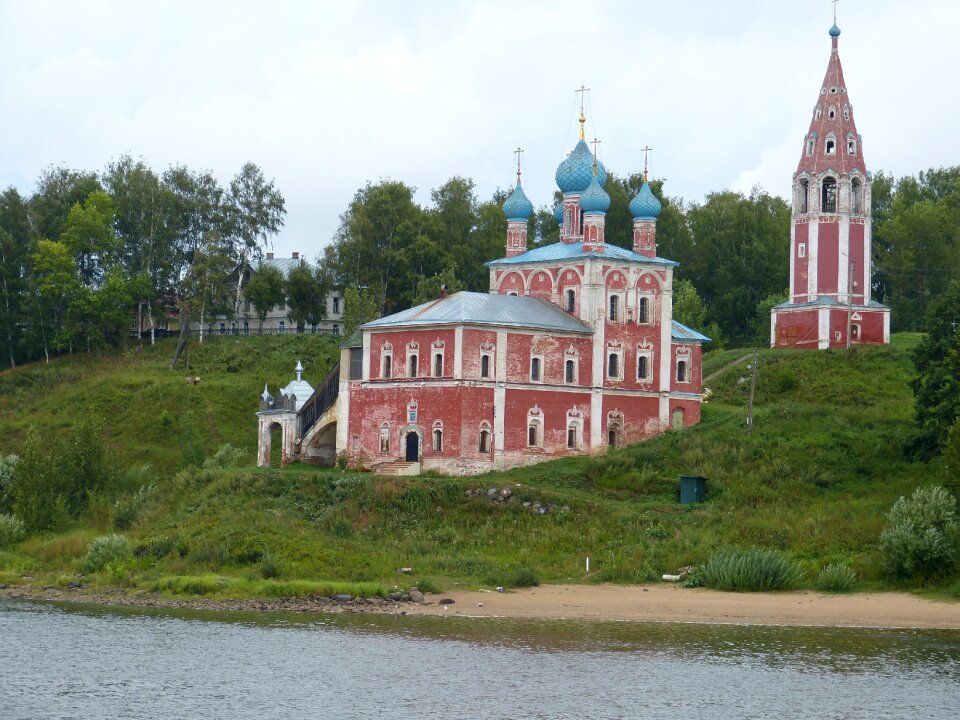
x=834, y=31
x=517, y=207
x=558, y=213
x=645, y=205
x=594, y=198
x=576, y=171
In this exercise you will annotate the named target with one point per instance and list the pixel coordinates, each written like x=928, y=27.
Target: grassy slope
x=816, y=479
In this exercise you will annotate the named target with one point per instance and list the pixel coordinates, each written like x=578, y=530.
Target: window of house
x=572, y=437
x=438, y=364
x=614, y=308
x=223, y=328
x=246, y=327
x=682, y=371
x=356, y=363
x=281, y=327
x=412, y=365
x=533, y=433
x=535, y=369
x=246, y=306
x=828, y=200
x=613, y=365
x=643, y=311
x=438, y=440
x=484, y=366
x=571, y=301
x=385, y=439
x=387, y=370
x=570, y=371
x=336, y=304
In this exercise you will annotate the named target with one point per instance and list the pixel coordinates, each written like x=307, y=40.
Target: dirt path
x=726, y=367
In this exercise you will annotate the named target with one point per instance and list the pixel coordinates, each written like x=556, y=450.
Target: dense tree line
x=88, y=257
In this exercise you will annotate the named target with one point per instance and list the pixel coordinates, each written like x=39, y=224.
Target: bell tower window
x=856, y=196
x=831, y=147
x=804, y=196
x=828, y=200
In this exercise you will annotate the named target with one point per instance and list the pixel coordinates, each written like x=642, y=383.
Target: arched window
x=614, y=432
x=818, y=112
x=846, y=112
x=573, y=435
x=828, y=195
x=484, y=366
x=438, y=364
x=438, y=439
x=533, y=433
x=614, y=308
x=535, y=369
x=804, y=198
x=851, y=146
x=831, y=147
x=385, y=438
x=613, y=365
x=570, y=371
x=644, y=310
x=811, y=141
x=682, y=371
x=643, y=367
x=412, y=366
x=832, y=112
x=856, y=196
x=484, y=446
x=571, y=301
x=387, y=366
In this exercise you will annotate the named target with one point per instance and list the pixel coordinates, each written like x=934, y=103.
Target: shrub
x=921, y=539
x=837, y=578
x=514, y=576
x=8, y=464
x=105, y=550
x=270, y=566
x=12, y=530
x=227, y=456
x=753, y=570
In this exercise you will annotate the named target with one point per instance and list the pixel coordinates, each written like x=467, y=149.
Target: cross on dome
x=583, y=90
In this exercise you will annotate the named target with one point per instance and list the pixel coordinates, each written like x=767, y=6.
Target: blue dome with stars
x=834, y=31
x=645, y=205
x=576, y=171
x=594, y=198
x=517, y=207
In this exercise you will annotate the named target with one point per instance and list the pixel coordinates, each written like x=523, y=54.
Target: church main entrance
x=413, y=447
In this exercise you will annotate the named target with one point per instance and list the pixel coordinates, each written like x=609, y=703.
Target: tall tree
x=306, y=298
x=255, y=210
x=264, y=290
x=89, y=235
x=14, y=249
x=58, y=190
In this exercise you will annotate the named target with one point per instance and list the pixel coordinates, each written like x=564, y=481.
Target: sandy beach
x=654, y=603
x=670, y=603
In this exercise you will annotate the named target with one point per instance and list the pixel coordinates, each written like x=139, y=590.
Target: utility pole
x=753, y=386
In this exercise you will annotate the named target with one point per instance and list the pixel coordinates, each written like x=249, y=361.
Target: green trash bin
x=693, y=489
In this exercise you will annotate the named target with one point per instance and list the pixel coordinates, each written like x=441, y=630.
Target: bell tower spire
x=830, y=233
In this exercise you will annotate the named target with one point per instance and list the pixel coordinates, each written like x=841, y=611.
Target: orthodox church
x=573, y=350
x=830, y=232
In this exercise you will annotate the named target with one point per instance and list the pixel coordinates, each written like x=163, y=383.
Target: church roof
x=576, y=171
x=572, y=251
x=472, y=308
x=830, y=302
x=682, y=333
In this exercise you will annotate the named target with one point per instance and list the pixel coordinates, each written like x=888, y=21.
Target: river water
x=87, y=662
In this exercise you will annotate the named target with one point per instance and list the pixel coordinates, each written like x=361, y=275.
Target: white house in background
x=277, y=321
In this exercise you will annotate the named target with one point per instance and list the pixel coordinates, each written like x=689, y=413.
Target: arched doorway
x=413, y=447
x=677, y=423
x=276, y=445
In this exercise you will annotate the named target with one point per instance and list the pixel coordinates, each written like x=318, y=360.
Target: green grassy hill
x=815, y=480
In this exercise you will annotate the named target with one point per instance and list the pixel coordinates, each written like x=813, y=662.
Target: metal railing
x=321, y=400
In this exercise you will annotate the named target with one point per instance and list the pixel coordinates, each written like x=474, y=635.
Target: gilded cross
x=646, y=160
x=595, y=142
x=583, y=90
x=834, y=10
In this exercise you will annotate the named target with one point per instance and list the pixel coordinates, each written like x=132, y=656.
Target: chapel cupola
x=518, y=210
x=594, y=203
x=573, y=177
x=645, y=209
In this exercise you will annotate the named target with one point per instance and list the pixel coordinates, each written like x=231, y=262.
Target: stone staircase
x=397, y=467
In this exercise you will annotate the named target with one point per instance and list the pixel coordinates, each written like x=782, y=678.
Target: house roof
x=473, y=308
x=560, y=251
x=284, y=265
x=682, y=333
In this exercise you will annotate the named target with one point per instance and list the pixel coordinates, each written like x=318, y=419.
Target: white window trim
x=384, y=356
x=437, y=353
x=648, y=354
x=576, y=370
x=801, y=250
x=490, y=365
x=619, y=354
x=651, y=308
x=539, y=365
x=412, y=354
x=688, y=359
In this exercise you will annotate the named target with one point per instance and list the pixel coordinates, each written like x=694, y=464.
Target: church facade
x=830, y=232
x=573, y=350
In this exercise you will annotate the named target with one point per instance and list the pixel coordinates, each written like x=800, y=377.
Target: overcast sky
x=327, y=96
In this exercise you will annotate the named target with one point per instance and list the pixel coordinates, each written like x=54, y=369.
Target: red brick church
x=573, y=350
x=830, y=272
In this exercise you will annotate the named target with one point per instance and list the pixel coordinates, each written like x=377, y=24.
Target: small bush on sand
x=922, y=536
x=836, y=578
x=105, y=550
x=753, y=570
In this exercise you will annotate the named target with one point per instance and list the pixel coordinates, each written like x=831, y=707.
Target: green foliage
x=951, y=461
x=358, y=307
x=8, y=466
x=104, y=551
x=753, y=570
x=937, y=384
x=510, y=576
x=836, y=578
x=12, y=530
x=37, y=489
x=226, y=456
x=265, y=291
x=306, y=293
x=922, y=537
